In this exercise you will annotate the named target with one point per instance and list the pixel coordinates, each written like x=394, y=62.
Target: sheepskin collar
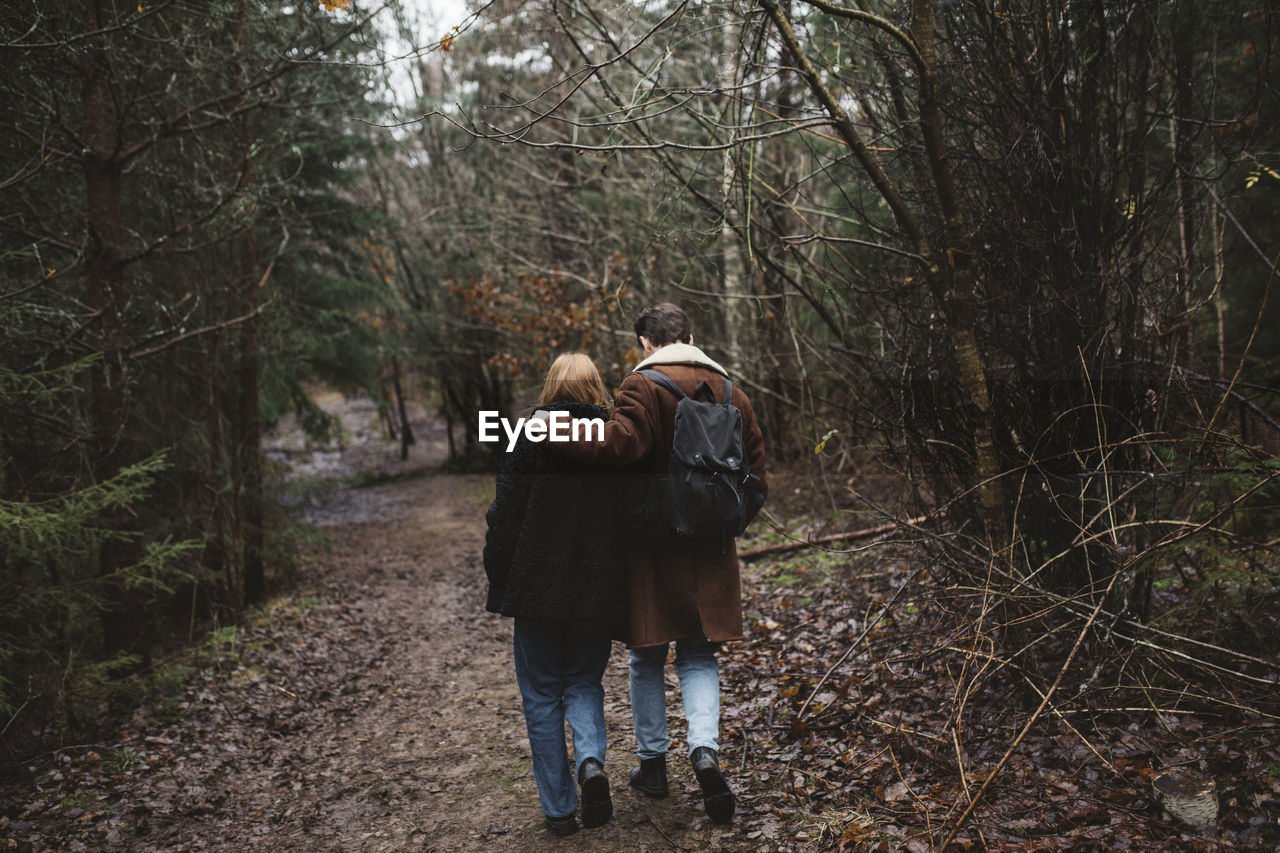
x=680, y=354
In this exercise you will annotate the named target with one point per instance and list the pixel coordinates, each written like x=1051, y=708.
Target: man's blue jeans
x=558, y=667
x=699, y=686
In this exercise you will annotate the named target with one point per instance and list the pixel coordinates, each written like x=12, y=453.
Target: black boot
x=716, y=796
x=562, y=826
x=650, y=778
x=597, y=805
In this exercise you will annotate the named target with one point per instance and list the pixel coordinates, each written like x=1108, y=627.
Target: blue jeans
x=559, y=665
x=699, y=686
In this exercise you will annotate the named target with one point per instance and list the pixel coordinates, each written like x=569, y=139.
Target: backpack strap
x=664, y=380
x=706, y=386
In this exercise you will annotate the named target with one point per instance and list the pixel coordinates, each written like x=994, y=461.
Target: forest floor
x=373, y=707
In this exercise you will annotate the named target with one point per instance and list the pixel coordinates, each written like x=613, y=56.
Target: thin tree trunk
x=1219, y=267
x=387, y=414
x=446, y=399
x=406, y=431
x=1219, y=301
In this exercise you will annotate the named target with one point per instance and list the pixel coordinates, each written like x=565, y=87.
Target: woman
x=554, y=562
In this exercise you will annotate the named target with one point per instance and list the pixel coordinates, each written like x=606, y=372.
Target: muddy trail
x=373, y=708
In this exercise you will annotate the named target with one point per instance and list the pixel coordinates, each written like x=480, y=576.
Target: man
x=687, y=592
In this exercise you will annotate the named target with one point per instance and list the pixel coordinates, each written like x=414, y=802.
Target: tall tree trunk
x=733, y=274
x=780, y=269
x=249, y=425
x=1219, y=267
x=959, y=297
x=105, y=273
x=248, y=428
x=215, y=556
x=1184, y=26
x=732, y=253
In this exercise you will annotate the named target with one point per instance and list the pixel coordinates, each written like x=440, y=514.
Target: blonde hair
x=573, y=376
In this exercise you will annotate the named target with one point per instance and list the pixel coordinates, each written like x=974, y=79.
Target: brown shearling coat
x=675, y=591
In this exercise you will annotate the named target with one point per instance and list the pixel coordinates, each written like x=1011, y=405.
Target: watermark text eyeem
x=556, y=426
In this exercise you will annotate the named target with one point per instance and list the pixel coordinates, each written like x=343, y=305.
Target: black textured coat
x=553, y=549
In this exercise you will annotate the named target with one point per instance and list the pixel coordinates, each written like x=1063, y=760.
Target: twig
x=822, y=540
x=163, y=345
x=912, y=791
x=1140, y=709
x=1128, y=624
x=1057, y=713
x=863, y=763
x=1084, y=740
x=1235, y=377
x=901, y=729
x=884, y=610
x=964, y=782
x=203, y=330
x=15, y=715
x=1044, y=703
x=663, y=833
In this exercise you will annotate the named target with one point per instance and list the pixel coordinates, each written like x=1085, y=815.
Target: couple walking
x=572, y=555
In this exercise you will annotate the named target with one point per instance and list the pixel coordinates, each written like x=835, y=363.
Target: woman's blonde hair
x=573, y=376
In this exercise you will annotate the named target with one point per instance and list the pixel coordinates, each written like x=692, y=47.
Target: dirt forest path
x=373, y=709
x=433, y=754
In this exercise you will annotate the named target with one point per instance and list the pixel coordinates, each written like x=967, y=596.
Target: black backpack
x=705, y=494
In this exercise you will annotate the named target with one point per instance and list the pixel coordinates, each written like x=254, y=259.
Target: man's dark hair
x=663, y=323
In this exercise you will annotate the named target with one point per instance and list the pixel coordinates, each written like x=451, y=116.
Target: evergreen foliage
x=179, y=216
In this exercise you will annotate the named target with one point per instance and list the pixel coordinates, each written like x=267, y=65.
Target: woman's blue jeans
x=559, y=665
x=699, y=674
